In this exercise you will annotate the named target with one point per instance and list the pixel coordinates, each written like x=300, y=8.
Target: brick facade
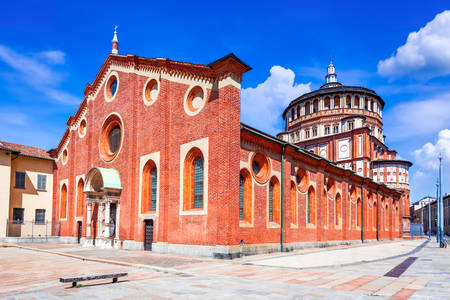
x=162, y=129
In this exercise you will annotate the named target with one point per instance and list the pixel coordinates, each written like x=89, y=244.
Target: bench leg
x=114, y=279
x=74, y=284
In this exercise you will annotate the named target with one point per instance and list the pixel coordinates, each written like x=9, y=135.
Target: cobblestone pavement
x=27, y=274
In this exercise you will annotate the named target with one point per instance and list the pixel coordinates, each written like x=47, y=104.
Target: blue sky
x=401, y=49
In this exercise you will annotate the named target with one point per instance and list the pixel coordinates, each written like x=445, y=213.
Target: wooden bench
x=74, y=280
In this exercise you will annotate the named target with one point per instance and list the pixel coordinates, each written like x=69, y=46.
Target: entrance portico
x=102, y=189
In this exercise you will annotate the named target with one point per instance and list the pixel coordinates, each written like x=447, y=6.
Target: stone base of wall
x=235, y=251
x=132, y=245
x=50, y=239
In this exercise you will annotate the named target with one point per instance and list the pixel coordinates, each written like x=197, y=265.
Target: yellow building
x=26, y=185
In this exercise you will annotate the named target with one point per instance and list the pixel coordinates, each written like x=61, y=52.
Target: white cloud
x=427, y=156
x=262, y=106
x=417, y=118
x=38, y=75
x=54, y=56
x=426, y=53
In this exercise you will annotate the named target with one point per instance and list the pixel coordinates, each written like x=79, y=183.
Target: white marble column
x=88, y=220
x=107, y=212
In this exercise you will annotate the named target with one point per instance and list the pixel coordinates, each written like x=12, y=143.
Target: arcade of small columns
x=103, y=217
x=328, y=102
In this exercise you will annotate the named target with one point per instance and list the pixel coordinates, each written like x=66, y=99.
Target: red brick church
x=156, y=158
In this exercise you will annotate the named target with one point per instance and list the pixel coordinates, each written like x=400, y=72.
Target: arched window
x=374, y=215
x=396, y=223
x=311, y=206
x=274, y=201
x=348, y=102
x=298, y=111
x=356, y=102
x=307, y=108
x=337, y=209
x=386, y=217
x=63, y=202
x=294, y=205
x=149, y=187
x=80, y=197
x=193, y=180
x=337, y=102
x=316, y=105
x=326, y=103
x=325, y=207
x=245, y=196
x=358, y=213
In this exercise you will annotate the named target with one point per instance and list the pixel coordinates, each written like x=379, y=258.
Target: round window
x=302, y=180
x=195, y=101
x=260, y=167
x=111, y=87
x=111, y=138
x=151, y=91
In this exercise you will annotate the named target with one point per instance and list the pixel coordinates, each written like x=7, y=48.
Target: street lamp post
x=437, y=210
x=441, y=205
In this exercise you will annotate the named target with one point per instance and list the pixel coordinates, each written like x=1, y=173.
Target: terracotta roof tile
x=26, y=150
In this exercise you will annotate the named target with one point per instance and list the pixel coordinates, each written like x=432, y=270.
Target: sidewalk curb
x=105, y=261
x=416, y=249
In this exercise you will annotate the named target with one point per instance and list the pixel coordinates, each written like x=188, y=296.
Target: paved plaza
x=32, y=271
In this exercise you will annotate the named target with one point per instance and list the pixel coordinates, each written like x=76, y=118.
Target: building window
x=245, y=196
x=18, y=215
x=337, y=209
x=335, y=129
x=149, y=187
x=42, y=182
x=307, y=134
x=374, y=216
x=350, y=125
x=20, y=180
x=311, y=206
x=274, y=201
x=358, y=213
x=114, y=139
x=39, y=216
x=111, y=137
x=260, y=167
x=80, y=195
x=327, y=130
x=315, y=106
x=293, y=203
x=314, y=131
x=63, y=202
x=193, y=180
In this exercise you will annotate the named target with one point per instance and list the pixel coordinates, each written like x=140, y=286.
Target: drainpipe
x=378, y=219
x=362, y=211
x=282, y=200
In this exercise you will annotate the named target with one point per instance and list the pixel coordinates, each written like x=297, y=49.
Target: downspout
x=282, y=200
x=378, y=218
x=362, y=211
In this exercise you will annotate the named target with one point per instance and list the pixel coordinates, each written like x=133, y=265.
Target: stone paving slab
x=339, y=257
x=29, y=274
